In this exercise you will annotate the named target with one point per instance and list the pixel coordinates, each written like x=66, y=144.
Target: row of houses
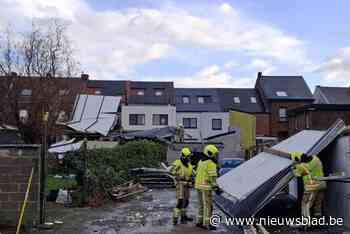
x=282, y=105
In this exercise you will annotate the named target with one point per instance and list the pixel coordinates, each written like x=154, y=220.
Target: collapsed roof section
x=252, y=185
x=94, y=114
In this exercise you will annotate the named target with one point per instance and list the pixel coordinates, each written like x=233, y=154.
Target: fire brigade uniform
x=205, y=183
x=182, y=170
x=313, y=188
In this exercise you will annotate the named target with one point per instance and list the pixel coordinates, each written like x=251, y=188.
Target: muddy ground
x=150, y=212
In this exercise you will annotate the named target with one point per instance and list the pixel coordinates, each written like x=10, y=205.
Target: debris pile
x=153, y=178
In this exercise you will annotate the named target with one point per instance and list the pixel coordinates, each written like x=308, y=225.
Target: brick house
x=23, y=99
x=280, y=94
x=330, y=104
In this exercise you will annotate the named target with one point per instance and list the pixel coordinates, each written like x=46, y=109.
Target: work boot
x=200, y=225
x=211, y=227
x=175, y=221
x=185, y=219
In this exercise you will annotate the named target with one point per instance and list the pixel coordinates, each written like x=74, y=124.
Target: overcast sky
x=201, y=43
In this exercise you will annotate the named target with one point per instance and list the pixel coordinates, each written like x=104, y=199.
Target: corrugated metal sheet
x=247, y=177
x=252, y=185
x=94, y=113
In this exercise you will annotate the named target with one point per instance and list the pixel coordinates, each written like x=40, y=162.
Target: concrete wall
x=148, y=110
x=16, y=162
x=204, y=123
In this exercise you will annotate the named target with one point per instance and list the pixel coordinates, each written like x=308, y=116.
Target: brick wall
x=276, y=126
x=16, y=162
x=262, y=124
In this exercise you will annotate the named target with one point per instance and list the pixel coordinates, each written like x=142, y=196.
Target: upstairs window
x=159, y=119
x=136, y=119
x=23, y=115
x=62, y=116
x=253, y=99
x=236, y=100
x=282, y=114
x=158, y=92
x=189, y=122
x=185, y=99
x=26, y=92
x=138, y=92
x=98, y=92
x=281, y=93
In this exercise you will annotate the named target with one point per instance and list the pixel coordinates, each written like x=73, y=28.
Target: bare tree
x=35, y=68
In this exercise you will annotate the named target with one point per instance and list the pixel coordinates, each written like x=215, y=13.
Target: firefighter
x=205, y=183
x=310, y=169
x=182, y=170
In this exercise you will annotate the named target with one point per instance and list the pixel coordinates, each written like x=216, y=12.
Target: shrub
x=109, y=167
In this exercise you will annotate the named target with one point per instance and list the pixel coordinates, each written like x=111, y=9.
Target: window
x=189, y=122
x=282, y=114
x=253, y=99
x=200, y=100
x=216, y=124
x=160, y=119
x=185, y=99
x=281, y=94
x=97, y=92
x=136, y=119
x=158, y=92
x=23, y=116
x=203, y=99
x=26, y=92
x=61, y=116
x=236, y=100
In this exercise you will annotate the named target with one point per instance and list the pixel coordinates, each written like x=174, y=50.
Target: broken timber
x=127, y=190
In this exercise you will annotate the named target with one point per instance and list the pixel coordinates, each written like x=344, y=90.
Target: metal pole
x=43, y=170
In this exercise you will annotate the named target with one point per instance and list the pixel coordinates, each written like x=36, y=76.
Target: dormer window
x=200, y=100
x=236, y=100
x=203, y=99
x=158, y=92
x=281, y=93
x=185, y=99
x=253, y=99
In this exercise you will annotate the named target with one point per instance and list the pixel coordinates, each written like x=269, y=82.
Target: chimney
x=259, y=75
x=84, y=76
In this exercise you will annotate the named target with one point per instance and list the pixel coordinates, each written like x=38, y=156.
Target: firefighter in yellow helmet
x=182, y=170
x=310, y=168
x=205, y=183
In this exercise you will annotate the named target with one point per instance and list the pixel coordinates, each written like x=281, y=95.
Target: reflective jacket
x=311, y=172
x=206, y=175
x=179, y=170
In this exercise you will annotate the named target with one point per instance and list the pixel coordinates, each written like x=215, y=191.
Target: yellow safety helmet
x=186, y=152
x=211, y=151
x=296, y=156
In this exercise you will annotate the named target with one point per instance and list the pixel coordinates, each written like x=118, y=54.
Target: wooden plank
x=277, y=152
